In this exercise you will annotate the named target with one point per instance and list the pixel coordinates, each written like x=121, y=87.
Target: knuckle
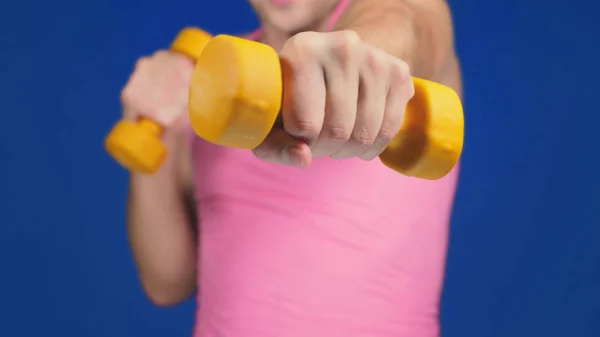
x=400, y=80
x=305, y=43
x=305, y=37
x=143, y=63
x=159, y=54
x=337, y=132
x=399, y=72
x=305, y=129
x=363, y=137
x=348, y=38
x=344, y=45
x=127, y=95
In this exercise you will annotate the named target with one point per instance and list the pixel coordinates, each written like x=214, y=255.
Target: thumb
x=281, y=148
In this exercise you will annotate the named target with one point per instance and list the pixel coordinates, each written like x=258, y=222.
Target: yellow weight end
x=235, y=93
x=190, y=42
x=430, y=140
x=136, y=146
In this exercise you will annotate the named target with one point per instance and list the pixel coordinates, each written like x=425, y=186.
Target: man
x=309, y=234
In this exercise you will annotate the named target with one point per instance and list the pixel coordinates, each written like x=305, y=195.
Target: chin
x=295, y=17
x=290, y=25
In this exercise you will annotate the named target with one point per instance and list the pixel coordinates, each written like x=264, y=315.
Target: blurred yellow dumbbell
x=136, y=145
x=236, y=96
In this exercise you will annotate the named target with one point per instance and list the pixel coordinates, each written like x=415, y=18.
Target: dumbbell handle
x=136, y=145
x=236, y=95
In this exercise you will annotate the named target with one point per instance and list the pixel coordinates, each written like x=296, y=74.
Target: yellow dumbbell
x=136, y=145
x=236, y=96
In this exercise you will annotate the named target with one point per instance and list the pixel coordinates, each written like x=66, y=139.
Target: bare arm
x=160, y=227
x=419, y=32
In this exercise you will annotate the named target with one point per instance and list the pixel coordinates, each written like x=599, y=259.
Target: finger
x=129, y=103
x=342, y=82
x=281, y=148
x=401, y=90
x=137, y=97
x=303, y=95
x=371, y=106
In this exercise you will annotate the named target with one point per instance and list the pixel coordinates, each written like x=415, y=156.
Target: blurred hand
x=158, y=89
x=343, y=98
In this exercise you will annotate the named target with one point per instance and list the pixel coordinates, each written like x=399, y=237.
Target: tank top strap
x=340, y=8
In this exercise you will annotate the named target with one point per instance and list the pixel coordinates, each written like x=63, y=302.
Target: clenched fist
x=158, y=89
x=343, y=98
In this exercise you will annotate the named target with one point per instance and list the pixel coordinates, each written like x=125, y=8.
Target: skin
x=349, y=90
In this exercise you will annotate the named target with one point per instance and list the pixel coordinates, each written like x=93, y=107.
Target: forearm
x=161, y=236
x=417, y=31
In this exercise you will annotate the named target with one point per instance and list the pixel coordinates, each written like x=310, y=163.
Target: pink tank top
x=340, y=249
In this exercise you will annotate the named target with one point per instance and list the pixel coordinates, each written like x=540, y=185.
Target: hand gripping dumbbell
x=236, y=96
x=136, y=145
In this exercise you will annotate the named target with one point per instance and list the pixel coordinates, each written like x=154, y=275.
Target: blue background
x=524, y=258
